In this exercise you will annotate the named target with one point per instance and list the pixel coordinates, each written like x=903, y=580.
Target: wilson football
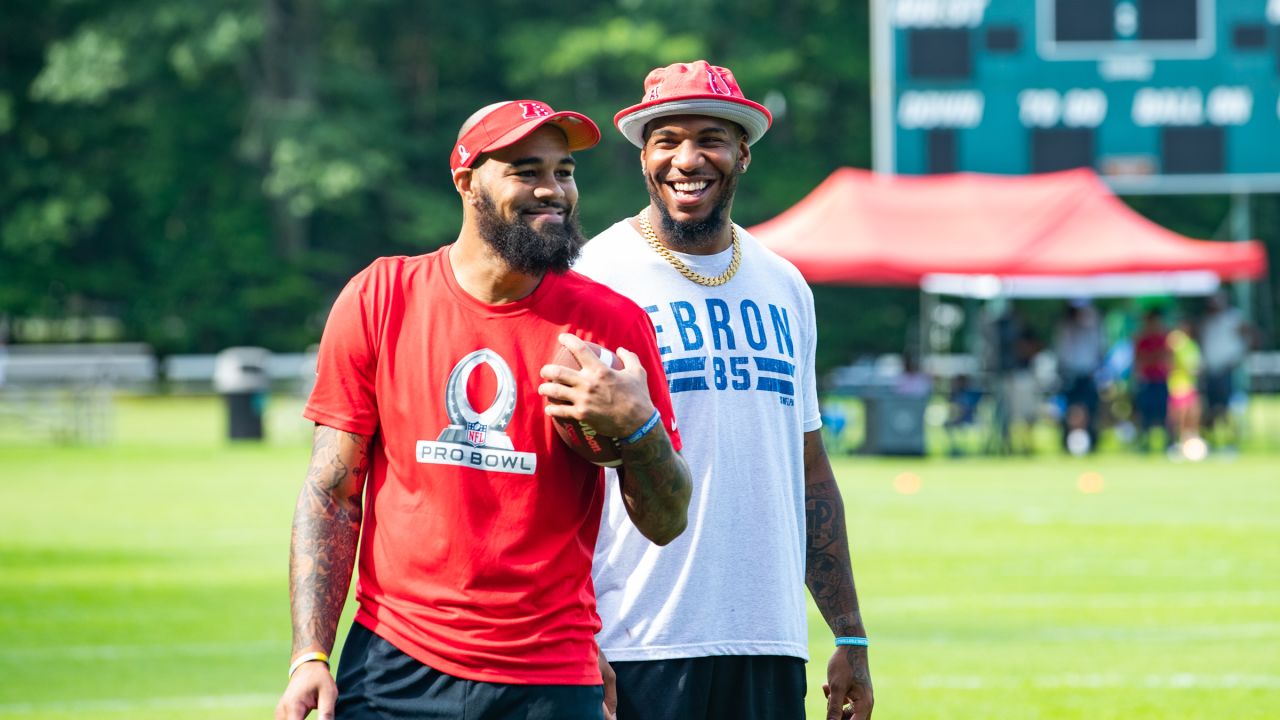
x=581, y=437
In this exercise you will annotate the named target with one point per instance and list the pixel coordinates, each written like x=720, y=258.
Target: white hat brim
x=753, y=121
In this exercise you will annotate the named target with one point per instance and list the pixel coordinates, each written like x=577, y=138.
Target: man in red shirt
x=1151, y=363
x=434, y=404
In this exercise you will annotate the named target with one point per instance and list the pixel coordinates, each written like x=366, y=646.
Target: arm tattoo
x=326, y=531
x=828, y=571
x=656, y=487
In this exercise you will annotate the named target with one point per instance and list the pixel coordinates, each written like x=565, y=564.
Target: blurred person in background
x=1225, y=339
x=1017, y=392
x=1184, y=398
x=962, y=412
x=1078, y=345
x=913, y=381
x=1151, y=360
x=1114, y=378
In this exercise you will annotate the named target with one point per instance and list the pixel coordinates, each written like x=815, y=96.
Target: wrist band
x=306, y=658
x=644, y=429
x=859, y=641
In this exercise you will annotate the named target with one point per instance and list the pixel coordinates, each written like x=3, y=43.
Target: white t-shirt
x=1078, y=346
x=1222, y=342
x=740, y=365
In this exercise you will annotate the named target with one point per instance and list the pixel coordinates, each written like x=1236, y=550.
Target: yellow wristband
x=306, y=658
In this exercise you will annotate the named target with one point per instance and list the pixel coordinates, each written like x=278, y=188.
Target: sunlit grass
x=146, y=578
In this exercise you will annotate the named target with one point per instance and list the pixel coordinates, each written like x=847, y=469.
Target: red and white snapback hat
x=507, y=123
x=696, y=88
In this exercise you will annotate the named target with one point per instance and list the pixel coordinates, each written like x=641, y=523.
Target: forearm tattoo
x=828, y=571
x=656, y=487
x=326, y=531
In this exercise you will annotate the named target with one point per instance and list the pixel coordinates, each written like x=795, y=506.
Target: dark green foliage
x=212, y=173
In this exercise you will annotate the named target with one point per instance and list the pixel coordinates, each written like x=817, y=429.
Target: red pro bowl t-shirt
x=479, y=523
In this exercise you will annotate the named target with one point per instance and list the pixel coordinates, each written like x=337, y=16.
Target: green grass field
x=147, y=579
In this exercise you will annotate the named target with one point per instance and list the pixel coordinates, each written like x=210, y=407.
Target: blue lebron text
x=699, y=347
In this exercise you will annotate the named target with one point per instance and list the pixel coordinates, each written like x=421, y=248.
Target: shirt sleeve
x=811, y=413
x=644, y=343
x=344, y=396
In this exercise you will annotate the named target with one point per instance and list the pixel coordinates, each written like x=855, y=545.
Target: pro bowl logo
x=478, y=439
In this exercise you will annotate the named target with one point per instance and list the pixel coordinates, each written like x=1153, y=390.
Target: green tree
x=212, y=173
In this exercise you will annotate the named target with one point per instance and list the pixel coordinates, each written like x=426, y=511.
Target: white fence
x=118, y=365
x=65, y=392
x=194, y=373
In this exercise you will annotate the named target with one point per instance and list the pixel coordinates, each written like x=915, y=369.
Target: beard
x=694, y=234
x=525, y=249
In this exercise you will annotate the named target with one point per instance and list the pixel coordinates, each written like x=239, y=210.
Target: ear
x=744, y=153
x=462, y=182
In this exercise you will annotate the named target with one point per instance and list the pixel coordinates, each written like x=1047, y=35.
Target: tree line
x=196, y=175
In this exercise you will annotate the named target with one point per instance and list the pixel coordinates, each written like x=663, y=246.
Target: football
x=581, y=437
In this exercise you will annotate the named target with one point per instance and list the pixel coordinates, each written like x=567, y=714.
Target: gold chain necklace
x=652, y=238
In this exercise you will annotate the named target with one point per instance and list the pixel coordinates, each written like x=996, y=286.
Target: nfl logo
x=476, y=433
x=533, y=110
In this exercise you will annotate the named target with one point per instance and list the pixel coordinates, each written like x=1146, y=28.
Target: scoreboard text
x=1156, y=95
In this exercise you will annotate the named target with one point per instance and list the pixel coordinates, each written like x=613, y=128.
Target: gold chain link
x=652, y=238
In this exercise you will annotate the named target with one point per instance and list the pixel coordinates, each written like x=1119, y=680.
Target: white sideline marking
x=123, y=652
x=192, y=702
x=1144, y=634
x=1083, y=600
x=1160, y=633
x=1175, y=681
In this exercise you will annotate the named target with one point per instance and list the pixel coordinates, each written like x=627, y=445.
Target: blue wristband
x=644, y=429
x=859, y=641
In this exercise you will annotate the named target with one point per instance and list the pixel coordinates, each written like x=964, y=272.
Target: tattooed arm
x=656, y=486
x=829, y=575
x=655, y=482
x=322, y=555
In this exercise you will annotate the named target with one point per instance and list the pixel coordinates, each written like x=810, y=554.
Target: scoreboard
x=1158, y=96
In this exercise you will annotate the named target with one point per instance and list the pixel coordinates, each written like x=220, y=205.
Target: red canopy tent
x=1049, y=231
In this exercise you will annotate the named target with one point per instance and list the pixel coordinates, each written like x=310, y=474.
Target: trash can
x=240, y=375
x=894, y=424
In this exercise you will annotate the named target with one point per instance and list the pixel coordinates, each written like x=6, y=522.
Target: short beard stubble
x=694, y=234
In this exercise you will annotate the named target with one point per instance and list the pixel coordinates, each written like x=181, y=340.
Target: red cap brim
x=578, y=129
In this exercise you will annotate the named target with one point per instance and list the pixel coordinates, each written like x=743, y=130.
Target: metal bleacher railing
x=66, y=392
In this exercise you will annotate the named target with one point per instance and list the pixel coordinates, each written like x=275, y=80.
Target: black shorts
x=376, y=681
x=728, y=687
x=1218, y=387
x=1152, y=403
x=1083, y=391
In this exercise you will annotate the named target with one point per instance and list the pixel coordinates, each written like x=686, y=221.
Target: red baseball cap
x=507, y=123
x=696, y=88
